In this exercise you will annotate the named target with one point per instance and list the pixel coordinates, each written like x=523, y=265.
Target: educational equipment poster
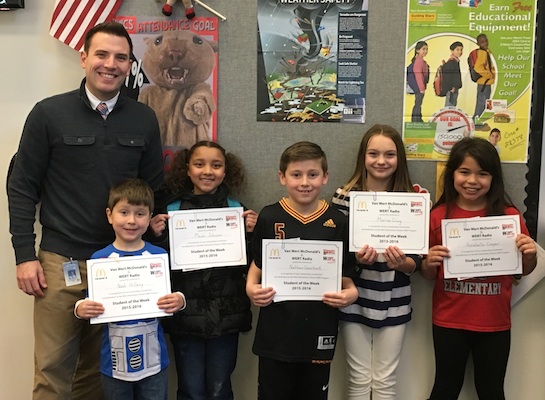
x=497, y=105
x=312, y=60
x=175, y=71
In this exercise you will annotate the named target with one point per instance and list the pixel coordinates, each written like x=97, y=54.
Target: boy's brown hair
x=134, y=190
x=302, y=151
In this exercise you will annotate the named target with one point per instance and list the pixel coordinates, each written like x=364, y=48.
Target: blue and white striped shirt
x=384, y=294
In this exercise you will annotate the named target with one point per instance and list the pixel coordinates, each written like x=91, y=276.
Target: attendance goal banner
x=509, y=27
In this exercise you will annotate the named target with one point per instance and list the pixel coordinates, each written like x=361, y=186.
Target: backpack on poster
x=438, y=82
x=412, y=86
x=472, y=59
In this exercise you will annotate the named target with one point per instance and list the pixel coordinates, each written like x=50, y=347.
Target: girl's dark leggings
x=490, y=351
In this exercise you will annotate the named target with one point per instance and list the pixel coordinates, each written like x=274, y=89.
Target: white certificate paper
x=481, y=246
x=128, y=287
x=301, y=269
x=207, y=238
x=383, y=219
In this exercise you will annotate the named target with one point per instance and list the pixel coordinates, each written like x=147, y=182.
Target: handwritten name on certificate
x=207, y=238
x=382, y=219
x=481, y=246
x=302, y=269
x=128, y=287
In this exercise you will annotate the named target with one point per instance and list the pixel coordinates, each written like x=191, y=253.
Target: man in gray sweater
x=69, y=155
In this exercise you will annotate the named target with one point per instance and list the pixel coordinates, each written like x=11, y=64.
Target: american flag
x=73, y=18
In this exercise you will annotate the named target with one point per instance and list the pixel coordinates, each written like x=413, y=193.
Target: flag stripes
x=73, y=18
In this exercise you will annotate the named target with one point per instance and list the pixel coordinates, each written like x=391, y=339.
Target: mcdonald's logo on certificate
x=383, y=219
x=454, y=233
x=100, y=273
x=274, y=253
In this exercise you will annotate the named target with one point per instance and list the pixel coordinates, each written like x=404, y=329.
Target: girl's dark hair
x=417, y=47
x=177, y=179
x=400, y=180
x=488, y=159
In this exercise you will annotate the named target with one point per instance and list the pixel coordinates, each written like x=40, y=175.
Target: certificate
x=128, y=287
x=382, y=219
x=207, y=238
x=301, y=269
x=481, y=246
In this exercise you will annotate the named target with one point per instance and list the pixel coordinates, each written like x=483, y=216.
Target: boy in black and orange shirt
x=295, y=340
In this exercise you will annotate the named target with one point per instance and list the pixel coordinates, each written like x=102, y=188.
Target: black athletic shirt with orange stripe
x=299, y=331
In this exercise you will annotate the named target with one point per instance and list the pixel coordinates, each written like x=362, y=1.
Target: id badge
x=71, y=273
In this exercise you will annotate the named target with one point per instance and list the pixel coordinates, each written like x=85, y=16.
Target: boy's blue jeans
x=204, y=366
x=451, y=99
x=483, y=94
x=153, y=387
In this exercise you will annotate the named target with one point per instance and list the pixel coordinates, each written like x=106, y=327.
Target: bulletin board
x=259, y=144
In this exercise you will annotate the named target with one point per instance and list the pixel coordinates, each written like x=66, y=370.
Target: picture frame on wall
x=8, y=5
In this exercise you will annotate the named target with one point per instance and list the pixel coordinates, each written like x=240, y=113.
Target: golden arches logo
x=180, y=223
x=274, y=253
x=362, y=205
x=100, y=273
x=454, y=232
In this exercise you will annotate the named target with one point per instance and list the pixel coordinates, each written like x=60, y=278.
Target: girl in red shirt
x=472, y=315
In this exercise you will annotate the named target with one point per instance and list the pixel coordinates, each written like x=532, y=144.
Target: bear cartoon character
x=179, y=63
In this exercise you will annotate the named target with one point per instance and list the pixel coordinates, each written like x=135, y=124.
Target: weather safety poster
x=312, y=60
x=500, y=113
x=175, y=72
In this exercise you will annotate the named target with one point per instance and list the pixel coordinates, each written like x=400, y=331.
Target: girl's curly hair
x=178, y=180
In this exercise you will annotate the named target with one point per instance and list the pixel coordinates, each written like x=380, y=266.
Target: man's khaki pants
x=67, y=349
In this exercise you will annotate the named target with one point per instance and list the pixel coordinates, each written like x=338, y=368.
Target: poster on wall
x=468, y=74
x=312, y=60
x=176, y=72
